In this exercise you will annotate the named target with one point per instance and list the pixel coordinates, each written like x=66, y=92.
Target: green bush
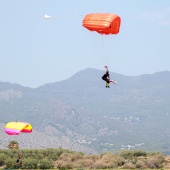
x=46, y=164
x=63, y=168
x=132, y=154
x=11, y=163
x=139, y=153
x=3, y=157
x=29, y=163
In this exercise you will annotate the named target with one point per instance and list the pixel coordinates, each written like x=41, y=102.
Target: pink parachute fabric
x=15, y=128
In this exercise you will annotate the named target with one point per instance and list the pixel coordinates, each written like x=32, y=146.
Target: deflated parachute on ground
x=103, y=23
x=14, y=128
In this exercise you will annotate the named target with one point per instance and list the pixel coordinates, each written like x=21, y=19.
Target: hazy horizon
x=35, y=51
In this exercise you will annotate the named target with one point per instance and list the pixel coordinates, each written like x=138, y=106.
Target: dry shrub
x=141, y=158
x=152, y=163
x=120, y=160
x=141, y=164
x=112, y=165
x=167, y=159
x=92, y=157
x=71, y=157
x=99, y=165
x=76, y=156
x=155, y=161
x=76, y=160
x=86, y=162
x=160, y=157
x=63, y=164
x=66, y=157
x=129, y=165
x=105, y=163
x=77, y=164
x=108, y=158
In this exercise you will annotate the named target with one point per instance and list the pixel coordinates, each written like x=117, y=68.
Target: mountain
x=81, y=114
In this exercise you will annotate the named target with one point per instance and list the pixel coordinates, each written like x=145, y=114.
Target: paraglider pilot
x=19, y=161
x=106, y=77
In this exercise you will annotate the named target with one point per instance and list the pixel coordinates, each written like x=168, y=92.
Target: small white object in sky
x=47, y=16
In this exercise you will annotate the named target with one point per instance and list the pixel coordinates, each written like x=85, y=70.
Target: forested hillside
x=81, y=114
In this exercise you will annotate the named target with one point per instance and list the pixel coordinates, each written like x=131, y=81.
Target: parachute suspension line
x=105, y=52
x=105, y=24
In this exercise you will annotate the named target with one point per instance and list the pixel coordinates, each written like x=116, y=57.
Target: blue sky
x=35, y=51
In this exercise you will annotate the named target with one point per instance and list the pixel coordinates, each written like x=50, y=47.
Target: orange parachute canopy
x=103, y=23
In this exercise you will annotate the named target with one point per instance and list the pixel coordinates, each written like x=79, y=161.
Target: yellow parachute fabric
x=14, y=128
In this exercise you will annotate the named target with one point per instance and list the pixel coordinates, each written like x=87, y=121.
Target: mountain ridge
x=89, y=117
